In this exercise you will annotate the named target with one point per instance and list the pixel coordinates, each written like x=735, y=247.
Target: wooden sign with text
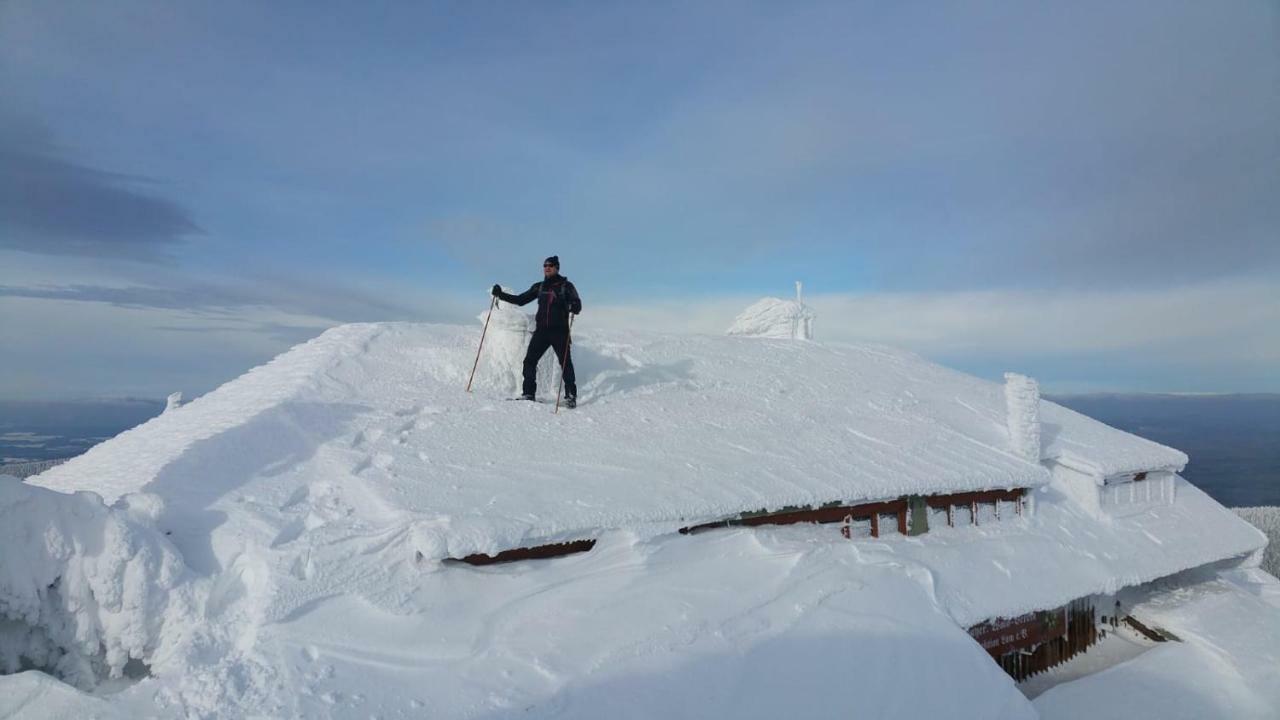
x=1005, y=635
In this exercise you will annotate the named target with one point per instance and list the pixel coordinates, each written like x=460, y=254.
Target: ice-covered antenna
x=799, y=292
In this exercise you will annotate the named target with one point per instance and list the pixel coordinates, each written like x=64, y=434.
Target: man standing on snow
x=557, y=298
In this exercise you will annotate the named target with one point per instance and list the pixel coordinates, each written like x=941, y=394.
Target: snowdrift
x=307, y=509
x=86, y=590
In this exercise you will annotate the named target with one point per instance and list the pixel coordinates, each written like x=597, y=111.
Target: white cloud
x=1213, y=337
x=65, y=350
x=1205, y=321
x=1206, y=337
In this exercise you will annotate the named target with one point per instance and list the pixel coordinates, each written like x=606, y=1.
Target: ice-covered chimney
x=173, y=402
x=502, y=357
x=1022, y=402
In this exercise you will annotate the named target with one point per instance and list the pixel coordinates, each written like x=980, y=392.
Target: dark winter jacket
x=557, y=297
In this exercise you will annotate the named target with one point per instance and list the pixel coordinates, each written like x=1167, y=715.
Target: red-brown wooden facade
x=899, y=509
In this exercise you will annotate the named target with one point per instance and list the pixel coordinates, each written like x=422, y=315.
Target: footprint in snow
x=303, y=567
x=299, y=496
x=289, y=533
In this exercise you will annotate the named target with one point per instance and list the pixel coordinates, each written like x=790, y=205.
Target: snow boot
x=528, y=397
x=570, y=401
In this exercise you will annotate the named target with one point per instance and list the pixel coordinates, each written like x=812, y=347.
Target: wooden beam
x=537, y=552
x=968, y=498
x=838, y=513
x=813, y=515
x=1145, y=631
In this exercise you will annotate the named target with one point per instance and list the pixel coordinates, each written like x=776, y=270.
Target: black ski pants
x=538, y=344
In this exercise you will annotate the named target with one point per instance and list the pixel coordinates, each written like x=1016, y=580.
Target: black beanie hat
x=553, y=260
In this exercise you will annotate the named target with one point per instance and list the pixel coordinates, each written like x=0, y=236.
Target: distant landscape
x=1233, y=440
x=32, y=430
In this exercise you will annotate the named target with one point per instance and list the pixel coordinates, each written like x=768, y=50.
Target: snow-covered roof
x=671, y=430
x=1086, y=444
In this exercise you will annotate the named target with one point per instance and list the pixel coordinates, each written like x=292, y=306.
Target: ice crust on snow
x=775, y=318
x=307, y=505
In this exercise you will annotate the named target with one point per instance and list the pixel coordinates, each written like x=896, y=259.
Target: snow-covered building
x=305, y=539
x=775, y=318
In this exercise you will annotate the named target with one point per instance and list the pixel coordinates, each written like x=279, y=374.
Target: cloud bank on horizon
x=1087, y=193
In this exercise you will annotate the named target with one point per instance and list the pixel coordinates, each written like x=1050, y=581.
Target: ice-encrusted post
x=173, y=402
x=1022, y=400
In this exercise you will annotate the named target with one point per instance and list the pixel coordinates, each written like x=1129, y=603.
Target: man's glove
x=497, y=290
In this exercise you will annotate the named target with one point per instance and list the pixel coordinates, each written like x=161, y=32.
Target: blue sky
x=1088, y=192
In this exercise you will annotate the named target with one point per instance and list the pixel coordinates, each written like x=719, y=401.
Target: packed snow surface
x=295, y=522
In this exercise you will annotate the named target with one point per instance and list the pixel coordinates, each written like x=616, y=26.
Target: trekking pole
x=482, y=334
x=568, y=333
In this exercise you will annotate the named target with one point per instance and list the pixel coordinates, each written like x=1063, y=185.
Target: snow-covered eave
x=1084, y=444
x=1166, y=556
x=1146, y=548
x=1112, y=585
x=1103, y=471
x=1130, y=475
x=462, y=536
